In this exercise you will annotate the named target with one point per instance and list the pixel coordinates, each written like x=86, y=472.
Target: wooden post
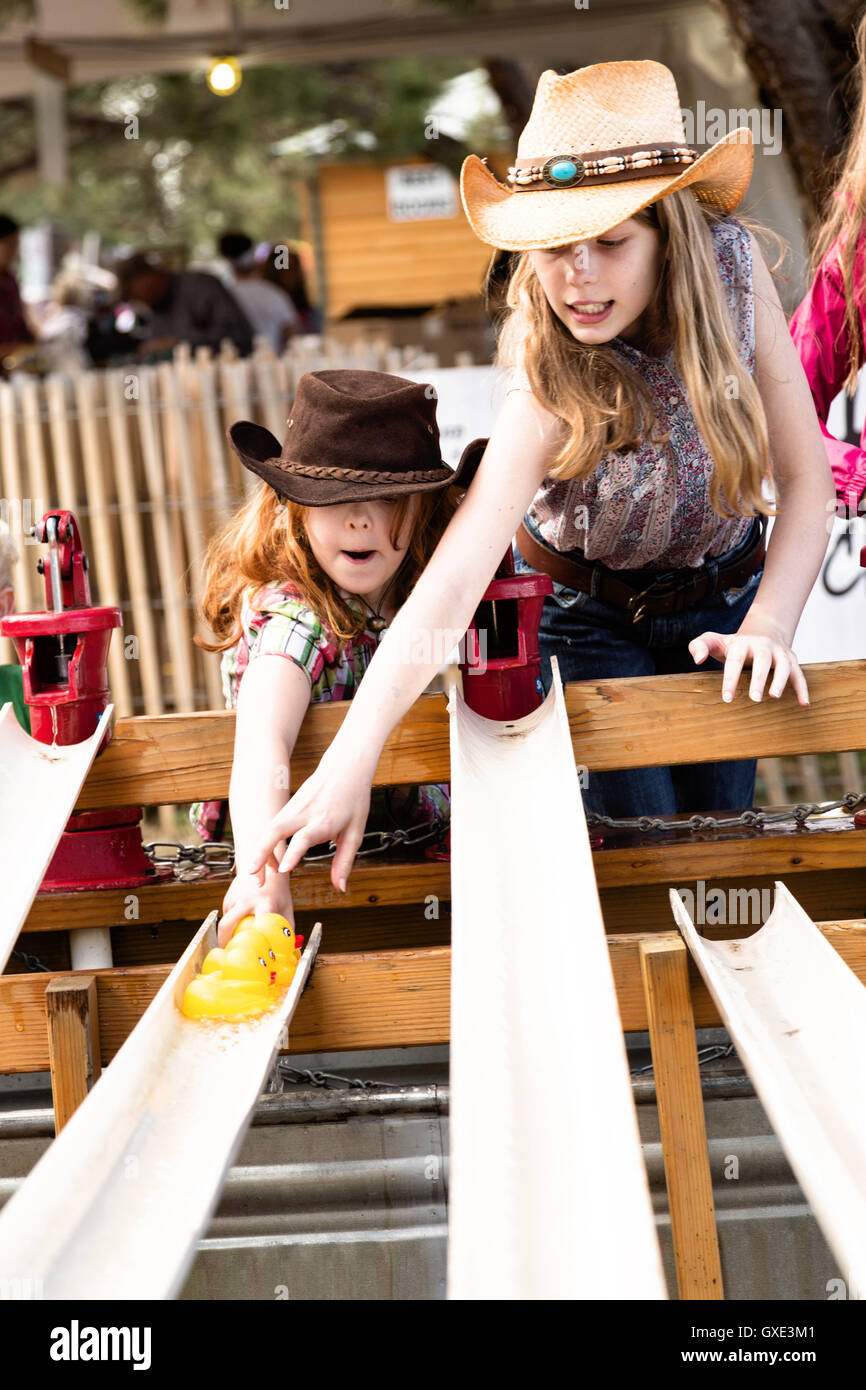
x=664, y=967
x=73, y=1043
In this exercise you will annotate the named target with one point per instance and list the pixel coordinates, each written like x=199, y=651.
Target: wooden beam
x=354, y=999
x=73, y=1042
x=45, y=58
x=383, y=883
x=622, y=723
x=664, y=967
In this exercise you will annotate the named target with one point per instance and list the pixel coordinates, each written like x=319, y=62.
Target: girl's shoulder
x=732, y=248
x=275, y=612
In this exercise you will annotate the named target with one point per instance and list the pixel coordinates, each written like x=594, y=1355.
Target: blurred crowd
x=143, y=306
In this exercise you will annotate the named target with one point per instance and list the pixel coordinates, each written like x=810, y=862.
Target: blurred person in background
x=14, y=328
x=270, y=310
x=181, y=306
x=283, y=268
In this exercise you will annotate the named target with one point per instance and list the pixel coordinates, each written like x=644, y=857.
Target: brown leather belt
x=643, y=593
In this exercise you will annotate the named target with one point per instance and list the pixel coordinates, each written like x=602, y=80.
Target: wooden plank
x=838, y=894
x=664, y=967
x=16, y=491
x=354, y=1000
x=73, y=1043
x=167, y=546
x=143, y=625
x=376, y=885
x=116, y=1206
x=615, y=724
x=797, y=1016
x=104, y=557
x=650, y=721
x=522, y=1154
x=825, y=845
x=378, y=999
x=178, y=445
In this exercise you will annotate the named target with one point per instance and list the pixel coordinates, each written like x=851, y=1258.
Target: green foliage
x=161, y=160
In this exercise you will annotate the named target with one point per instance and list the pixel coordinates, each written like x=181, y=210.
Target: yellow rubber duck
x=280, y=936
x=236, y=982
x=245, y=977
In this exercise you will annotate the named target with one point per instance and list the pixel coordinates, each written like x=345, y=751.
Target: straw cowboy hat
x=354, y=434
x=601, y=144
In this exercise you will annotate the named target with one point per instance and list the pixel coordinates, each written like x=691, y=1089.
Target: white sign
x=420, y=191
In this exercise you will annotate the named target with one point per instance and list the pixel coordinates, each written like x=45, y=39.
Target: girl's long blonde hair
x=266, y=543
x=605, y=405
x=845, y=213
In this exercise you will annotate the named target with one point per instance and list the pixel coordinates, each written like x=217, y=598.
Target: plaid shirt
x=276, y=620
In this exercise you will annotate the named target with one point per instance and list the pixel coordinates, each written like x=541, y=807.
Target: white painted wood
x=39, y=786
x=548, y=1194
x=115, y=1207
x=797, y=1016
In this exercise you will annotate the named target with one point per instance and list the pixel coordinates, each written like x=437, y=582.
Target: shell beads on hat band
x=567, y=170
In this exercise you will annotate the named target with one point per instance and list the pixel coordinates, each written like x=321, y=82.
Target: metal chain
x=711, y=1053
x=33, y=963
x=757, y=818
x=321, y=1078
x=216, y=857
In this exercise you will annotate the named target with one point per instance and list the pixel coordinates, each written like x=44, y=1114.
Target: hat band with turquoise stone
x=600, y=167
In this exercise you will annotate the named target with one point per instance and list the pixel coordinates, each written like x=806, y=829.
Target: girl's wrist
x=760, y=624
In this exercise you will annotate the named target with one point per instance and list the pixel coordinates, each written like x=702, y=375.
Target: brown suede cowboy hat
x=354, y=434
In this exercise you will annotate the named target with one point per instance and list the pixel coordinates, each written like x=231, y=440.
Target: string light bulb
x=224, y=76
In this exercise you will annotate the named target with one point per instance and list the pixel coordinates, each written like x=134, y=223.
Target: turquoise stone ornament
x=563, y=170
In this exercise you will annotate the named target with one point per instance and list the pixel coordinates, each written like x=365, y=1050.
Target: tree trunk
x=801, y=53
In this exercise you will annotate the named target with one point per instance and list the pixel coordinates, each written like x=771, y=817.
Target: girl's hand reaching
x=760, y=650
x=333, y=804
x=247, y=895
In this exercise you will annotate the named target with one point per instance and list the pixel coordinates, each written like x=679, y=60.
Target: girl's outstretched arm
x=273, y=697
x=334, y=803
x=806, y=503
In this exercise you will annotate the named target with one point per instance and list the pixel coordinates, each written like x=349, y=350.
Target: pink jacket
x=818, y=330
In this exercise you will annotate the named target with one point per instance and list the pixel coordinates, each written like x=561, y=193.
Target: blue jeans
x=594, y=641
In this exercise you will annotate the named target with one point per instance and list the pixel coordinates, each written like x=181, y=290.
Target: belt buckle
x=635, y=607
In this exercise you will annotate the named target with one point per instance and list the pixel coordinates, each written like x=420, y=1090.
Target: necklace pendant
x=377, y=624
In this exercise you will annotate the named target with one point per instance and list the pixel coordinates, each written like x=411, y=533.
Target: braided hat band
x=370, y=475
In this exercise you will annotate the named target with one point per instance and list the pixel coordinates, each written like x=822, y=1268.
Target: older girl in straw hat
x=653, y=370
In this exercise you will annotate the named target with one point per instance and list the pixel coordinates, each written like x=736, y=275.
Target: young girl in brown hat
x=306, y=577
x=656, y=390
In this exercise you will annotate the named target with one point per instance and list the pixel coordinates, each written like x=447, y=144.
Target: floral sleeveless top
x=650, y=508
x=276, y=620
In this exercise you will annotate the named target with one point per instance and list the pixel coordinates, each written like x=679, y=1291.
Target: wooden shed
x=390, y=237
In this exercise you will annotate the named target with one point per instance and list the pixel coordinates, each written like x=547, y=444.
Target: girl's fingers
x=734, y=660
x=762, y=660
x=298, y=846
x=708, y=644
x=699, y=650
x=784, y=668
x=798, y=681
x=344, y=859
